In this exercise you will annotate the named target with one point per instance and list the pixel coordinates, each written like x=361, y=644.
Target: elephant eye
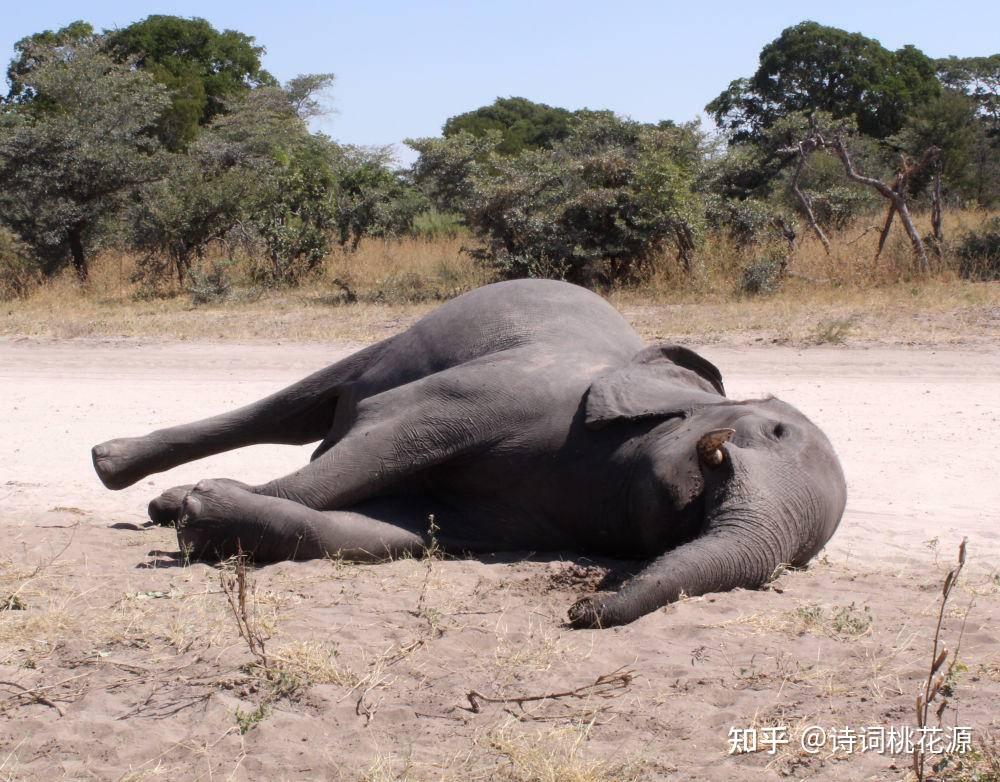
x=779, y=431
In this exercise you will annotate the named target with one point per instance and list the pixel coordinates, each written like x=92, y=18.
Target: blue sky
x=403, y=68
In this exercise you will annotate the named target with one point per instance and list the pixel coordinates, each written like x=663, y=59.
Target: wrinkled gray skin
x=524, y=415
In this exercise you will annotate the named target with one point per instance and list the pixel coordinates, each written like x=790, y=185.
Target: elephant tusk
x=710, y=446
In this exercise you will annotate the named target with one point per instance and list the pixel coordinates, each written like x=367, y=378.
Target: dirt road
x=119, y=662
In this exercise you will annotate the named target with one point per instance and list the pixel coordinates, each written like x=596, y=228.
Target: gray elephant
x=524, y=415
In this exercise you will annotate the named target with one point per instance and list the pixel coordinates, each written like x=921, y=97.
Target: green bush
x=593, y=208
x=979, y=253
x=748, y=221
x=213, y=285
x=839, y=205
x=370, y=198
x=764, y=274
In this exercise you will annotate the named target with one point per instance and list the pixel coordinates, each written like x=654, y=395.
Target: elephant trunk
x=746, y=537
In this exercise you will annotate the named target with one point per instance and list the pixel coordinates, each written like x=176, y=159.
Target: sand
x=119, y=662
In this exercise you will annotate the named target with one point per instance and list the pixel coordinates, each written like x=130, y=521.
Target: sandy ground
x=118, y=662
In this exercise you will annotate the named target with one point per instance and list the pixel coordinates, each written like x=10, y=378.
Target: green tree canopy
x=70, y=157
x=202, y=68
x=447, y=166
x=32, y=49
x=811, y=67
x=256, y=166
x=595, y=206
x=976, y=77
x=522, y=124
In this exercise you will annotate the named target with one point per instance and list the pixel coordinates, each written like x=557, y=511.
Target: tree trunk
x=885, y=230
x=804, y=149
x=918, y=244
x=76, y=248
x=936, y=208
x=685, y=246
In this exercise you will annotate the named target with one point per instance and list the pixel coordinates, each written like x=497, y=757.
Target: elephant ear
x=653, y=385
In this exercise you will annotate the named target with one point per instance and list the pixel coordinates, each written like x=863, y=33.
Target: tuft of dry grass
x=556, y=755
x=840, y=622
x=305, y=663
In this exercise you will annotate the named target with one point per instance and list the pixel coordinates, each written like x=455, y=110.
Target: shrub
x=840, y=205
x=593, y=207
x=213, y=285
x=447, y=167
x=979, y=253
x=747, y=221
x=764, y=274
x=371, y=199
x=294, y=224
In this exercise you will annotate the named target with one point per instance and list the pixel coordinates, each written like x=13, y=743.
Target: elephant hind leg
x=166, y=508
x=218, y=519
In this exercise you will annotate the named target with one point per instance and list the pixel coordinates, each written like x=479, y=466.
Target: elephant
x=524, y=415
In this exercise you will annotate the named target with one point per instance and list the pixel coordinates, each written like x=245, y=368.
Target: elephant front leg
x=301, y=413
x=219, y=519
x=400, y=436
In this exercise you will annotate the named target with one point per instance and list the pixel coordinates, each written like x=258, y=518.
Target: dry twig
x=935, y=681
x=607, y=685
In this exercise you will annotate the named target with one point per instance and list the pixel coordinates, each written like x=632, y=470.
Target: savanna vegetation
x=160, y=162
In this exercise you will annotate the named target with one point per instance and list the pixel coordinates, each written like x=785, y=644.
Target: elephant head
x=733, y=489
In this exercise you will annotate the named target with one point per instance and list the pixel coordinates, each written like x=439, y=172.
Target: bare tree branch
x=895, y=193
x=804, y=150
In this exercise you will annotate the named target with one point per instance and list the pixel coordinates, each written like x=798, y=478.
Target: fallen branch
x=33, y=696
x=606, y=685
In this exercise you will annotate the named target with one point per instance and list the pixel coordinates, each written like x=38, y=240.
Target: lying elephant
x=524, y=415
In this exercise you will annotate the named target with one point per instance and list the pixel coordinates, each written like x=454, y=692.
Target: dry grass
x=510, y=753
x=551, y=756
x=839, y=622
x=385, y=285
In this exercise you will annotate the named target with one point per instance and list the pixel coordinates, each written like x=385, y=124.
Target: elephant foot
x=216, y=519
x=122, y=462
x=166, y=509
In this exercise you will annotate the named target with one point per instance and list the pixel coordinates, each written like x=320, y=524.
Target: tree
x=948, y=123
x=810, y=67
x=30, y=50
x=304, y=93
x=71, y=153
x=446, y=167
x=372, y=198
x=203, y=195
x=593, y=207
x=894, y=192
x=256, y=166
x=203, y=69
x=521, y=123
x=976, y=77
